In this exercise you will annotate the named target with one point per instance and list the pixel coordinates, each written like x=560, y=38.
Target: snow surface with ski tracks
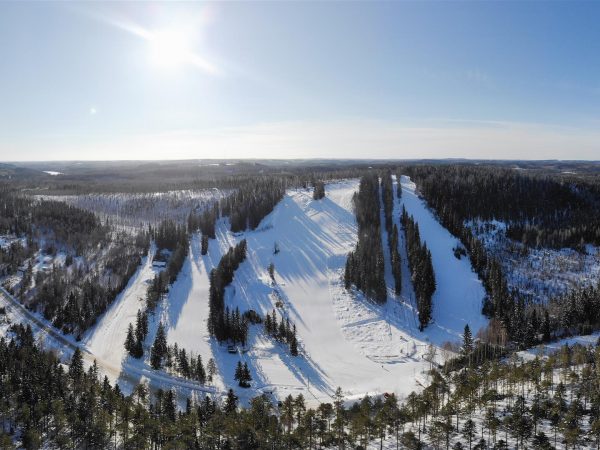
x=344, y=339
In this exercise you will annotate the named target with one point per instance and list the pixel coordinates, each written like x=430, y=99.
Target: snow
x=136, y=209
x=52, y=173
x=584, y=340
x=344, y=339
x=538, y=273
x=7, y=240
x=106, y=339
x=458, y=298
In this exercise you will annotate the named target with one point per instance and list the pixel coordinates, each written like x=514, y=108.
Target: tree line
x=365, y=265
x=172, y=244
x=497, y=405
x=541, y=209
x=205, y=222
x=421, y=268
x=220, y=277
x=252, y=201
x=283, y=331
x=387, y=195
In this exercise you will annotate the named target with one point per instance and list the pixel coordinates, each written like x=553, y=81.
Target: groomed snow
x=106, y=339
x=345, y=340
x=459, y=294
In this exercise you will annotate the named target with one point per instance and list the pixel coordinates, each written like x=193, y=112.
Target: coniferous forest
x=336, y=261
x=222, y=324
x=365, y=265
x=249, y=204
x=494, y=405
x=74, y=293
x=387, y=194
x=72, y=263
x=542, y=210
x=421, y=268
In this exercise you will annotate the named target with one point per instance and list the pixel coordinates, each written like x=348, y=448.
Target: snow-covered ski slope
x=459, y=293
x=345, y=340
x=105, y=340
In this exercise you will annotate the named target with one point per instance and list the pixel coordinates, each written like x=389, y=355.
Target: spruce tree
x=294, y=346
x=230, y=402
x=246, y=376
x=211, y=370
x=76, y=366
x=130, y=340
x=204, y=244
x=467, y=347
x=159, y=348
x=239, y=374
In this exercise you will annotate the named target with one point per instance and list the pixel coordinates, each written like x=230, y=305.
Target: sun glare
x=173, y=48
x=170, y=48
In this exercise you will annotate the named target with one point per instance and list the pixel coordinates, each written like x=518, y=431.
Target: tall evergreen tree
x=159, y=348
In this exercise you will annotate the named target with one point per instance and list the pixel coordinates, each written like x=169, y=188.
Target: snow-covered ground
x=458, y=298
x=344, y=339
x=539, y=273
x=106, y=339
x=553, y=347
x=135, y=209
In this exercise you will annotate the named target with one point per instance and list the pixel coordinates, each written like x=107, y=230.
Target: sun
x=173, y=48
x=170, y=48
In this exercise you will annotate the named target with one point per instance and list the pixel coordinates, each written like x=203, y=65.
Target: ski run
x=344, y=339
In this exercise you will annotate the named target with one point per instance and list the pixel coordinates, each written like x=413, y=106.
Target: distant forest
x=542, y=210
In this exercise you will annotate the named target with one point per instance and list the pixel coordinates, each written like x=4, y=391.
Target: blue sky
x=299, y=79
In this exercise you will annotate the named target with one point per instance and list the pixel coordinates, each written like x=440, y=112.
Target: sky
x=484, y=80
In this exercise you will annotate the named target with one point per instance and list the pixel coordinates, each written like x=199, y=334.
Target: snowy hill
x=344, y=339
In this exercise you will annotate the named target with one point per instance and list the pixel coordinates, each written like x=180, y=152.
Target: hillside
x=345, y=340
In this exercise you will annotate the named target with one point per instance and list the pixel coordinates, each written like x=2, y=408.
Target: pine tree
x=204, y=244
x=230, y=403
x=239, y=375
x=467, y=347
x=76, y=366
x=159, y=348
x=200, y=372
x=294, y=346
x=130, y=340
